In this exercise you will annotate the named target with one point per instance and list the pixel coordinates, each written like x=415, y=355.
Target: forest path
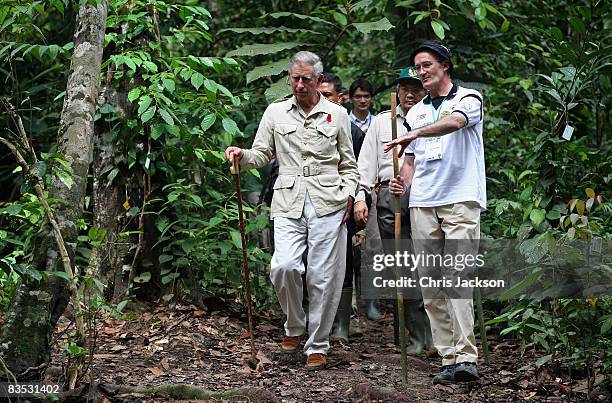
x=185, y=345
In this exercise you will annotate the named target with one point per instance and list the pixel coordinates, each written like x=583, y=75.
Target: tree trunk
x=37, y=306
x=108, y=258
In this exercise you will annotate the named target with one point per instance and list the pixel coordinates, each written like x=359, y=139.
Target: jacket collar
x=324, y=105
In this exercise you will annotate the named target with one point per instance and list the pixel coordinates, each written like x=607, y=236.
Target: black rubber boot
x=371, y=309
x=417, y=325
x=342, y=320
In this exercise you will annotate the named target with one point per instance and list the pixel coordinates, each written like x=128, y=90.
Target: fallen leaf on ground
x=266, y=328
x=156, y=371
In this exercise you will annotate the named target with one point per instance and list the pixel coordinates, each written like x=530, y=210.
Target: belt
x=308, y=170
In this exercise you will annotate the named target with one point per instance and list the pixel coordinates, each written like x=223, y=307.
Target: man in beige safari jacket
x=313, y=198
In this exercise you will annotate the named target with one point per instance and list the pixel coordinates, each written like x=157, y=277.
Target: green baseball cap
x=409, y=73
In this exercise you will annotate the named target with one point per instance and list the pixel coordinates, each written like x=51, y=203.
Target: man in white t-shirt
x=444, y=169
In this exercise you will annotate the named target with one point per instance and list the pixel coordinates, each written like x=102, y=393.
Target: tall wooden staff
x=235, y=170
x=398, y=236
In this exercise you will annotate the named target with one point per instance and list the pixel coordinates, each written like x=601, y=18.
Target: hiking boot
x=446, y=375
x=290, y=344
x=316, y=361
x=466, y=372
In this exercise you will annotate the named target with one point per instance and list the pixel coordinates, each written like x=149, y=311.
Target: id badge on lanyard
x=433, y=148
x=433, y=145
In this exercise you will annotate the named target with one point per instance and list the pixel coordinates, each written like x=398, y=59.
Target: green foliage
x=573, y=332
x=539, y=65
x=179, y=102
x=328, y=26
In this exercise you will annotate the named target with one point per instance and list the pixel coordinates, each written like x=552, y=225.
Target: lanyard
x=433, y=110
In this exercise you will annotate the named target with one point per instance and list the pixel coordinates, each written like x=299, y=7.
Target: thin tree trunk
x=26, y=335
x=106, y=198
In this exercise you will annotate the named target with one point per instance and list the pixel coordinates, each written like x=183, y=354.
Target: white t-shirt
x=459, y=175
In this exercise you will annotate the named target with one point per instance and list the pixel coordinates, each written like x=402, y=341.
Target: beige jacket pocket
x=284, y=137
x=324, y=141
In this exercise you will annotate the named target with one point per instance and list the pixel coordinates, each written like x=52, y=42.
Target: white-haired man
x=313, y=199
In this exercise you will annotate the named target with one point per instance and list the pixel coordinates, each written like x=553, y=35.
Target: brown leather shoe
x=290, y=344
x=316, y=361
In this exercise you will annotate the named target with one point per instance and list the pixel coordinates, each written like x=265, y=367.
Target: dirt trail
x=188, y=346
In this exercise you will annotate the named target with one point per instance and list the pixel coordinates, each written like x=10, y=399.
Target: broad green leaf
x=267, y=70
x=278, y=90
x=269, y=30
x=169, y=84
x=210, y=85
x=522, y=285
x=556, y=33
x=122, y=305
x=165, y=258
x=134, y=94
x=166, y=116
x=144, y=104
x=145, y=117
x=143, y=278
x=215, y=157
x=255, y=173
x=197, y=200
x=577, y=24
x=168, y=278
x=555, y=95
x=606, y=326
x=208, y=121
x=150, y=66
x=65, y=178
x=505, y=25
x=438, y=29
x=340, y=18
x=230, y=126
x=157, y=131
x=60, y=274
x=480, y=13
x=282, y=14
x=236, y=238
x=407, y=3
x=263, y=48
x=130, y=63
x=537, y=216
x=419, y=15
x=197, y=79
x=553, y=215
x=366, y=27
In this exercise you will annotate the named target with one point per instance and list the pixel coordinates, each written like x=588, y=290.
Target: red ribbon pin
x=328, y=118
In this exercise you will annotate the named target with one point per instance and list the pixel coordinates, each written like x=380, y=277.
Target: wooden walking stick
x=235, y=170
x=398, y=236
x=481, y=324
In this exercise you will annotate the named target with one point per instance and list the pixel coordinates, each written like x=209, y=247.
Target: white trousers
x=325, y=238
